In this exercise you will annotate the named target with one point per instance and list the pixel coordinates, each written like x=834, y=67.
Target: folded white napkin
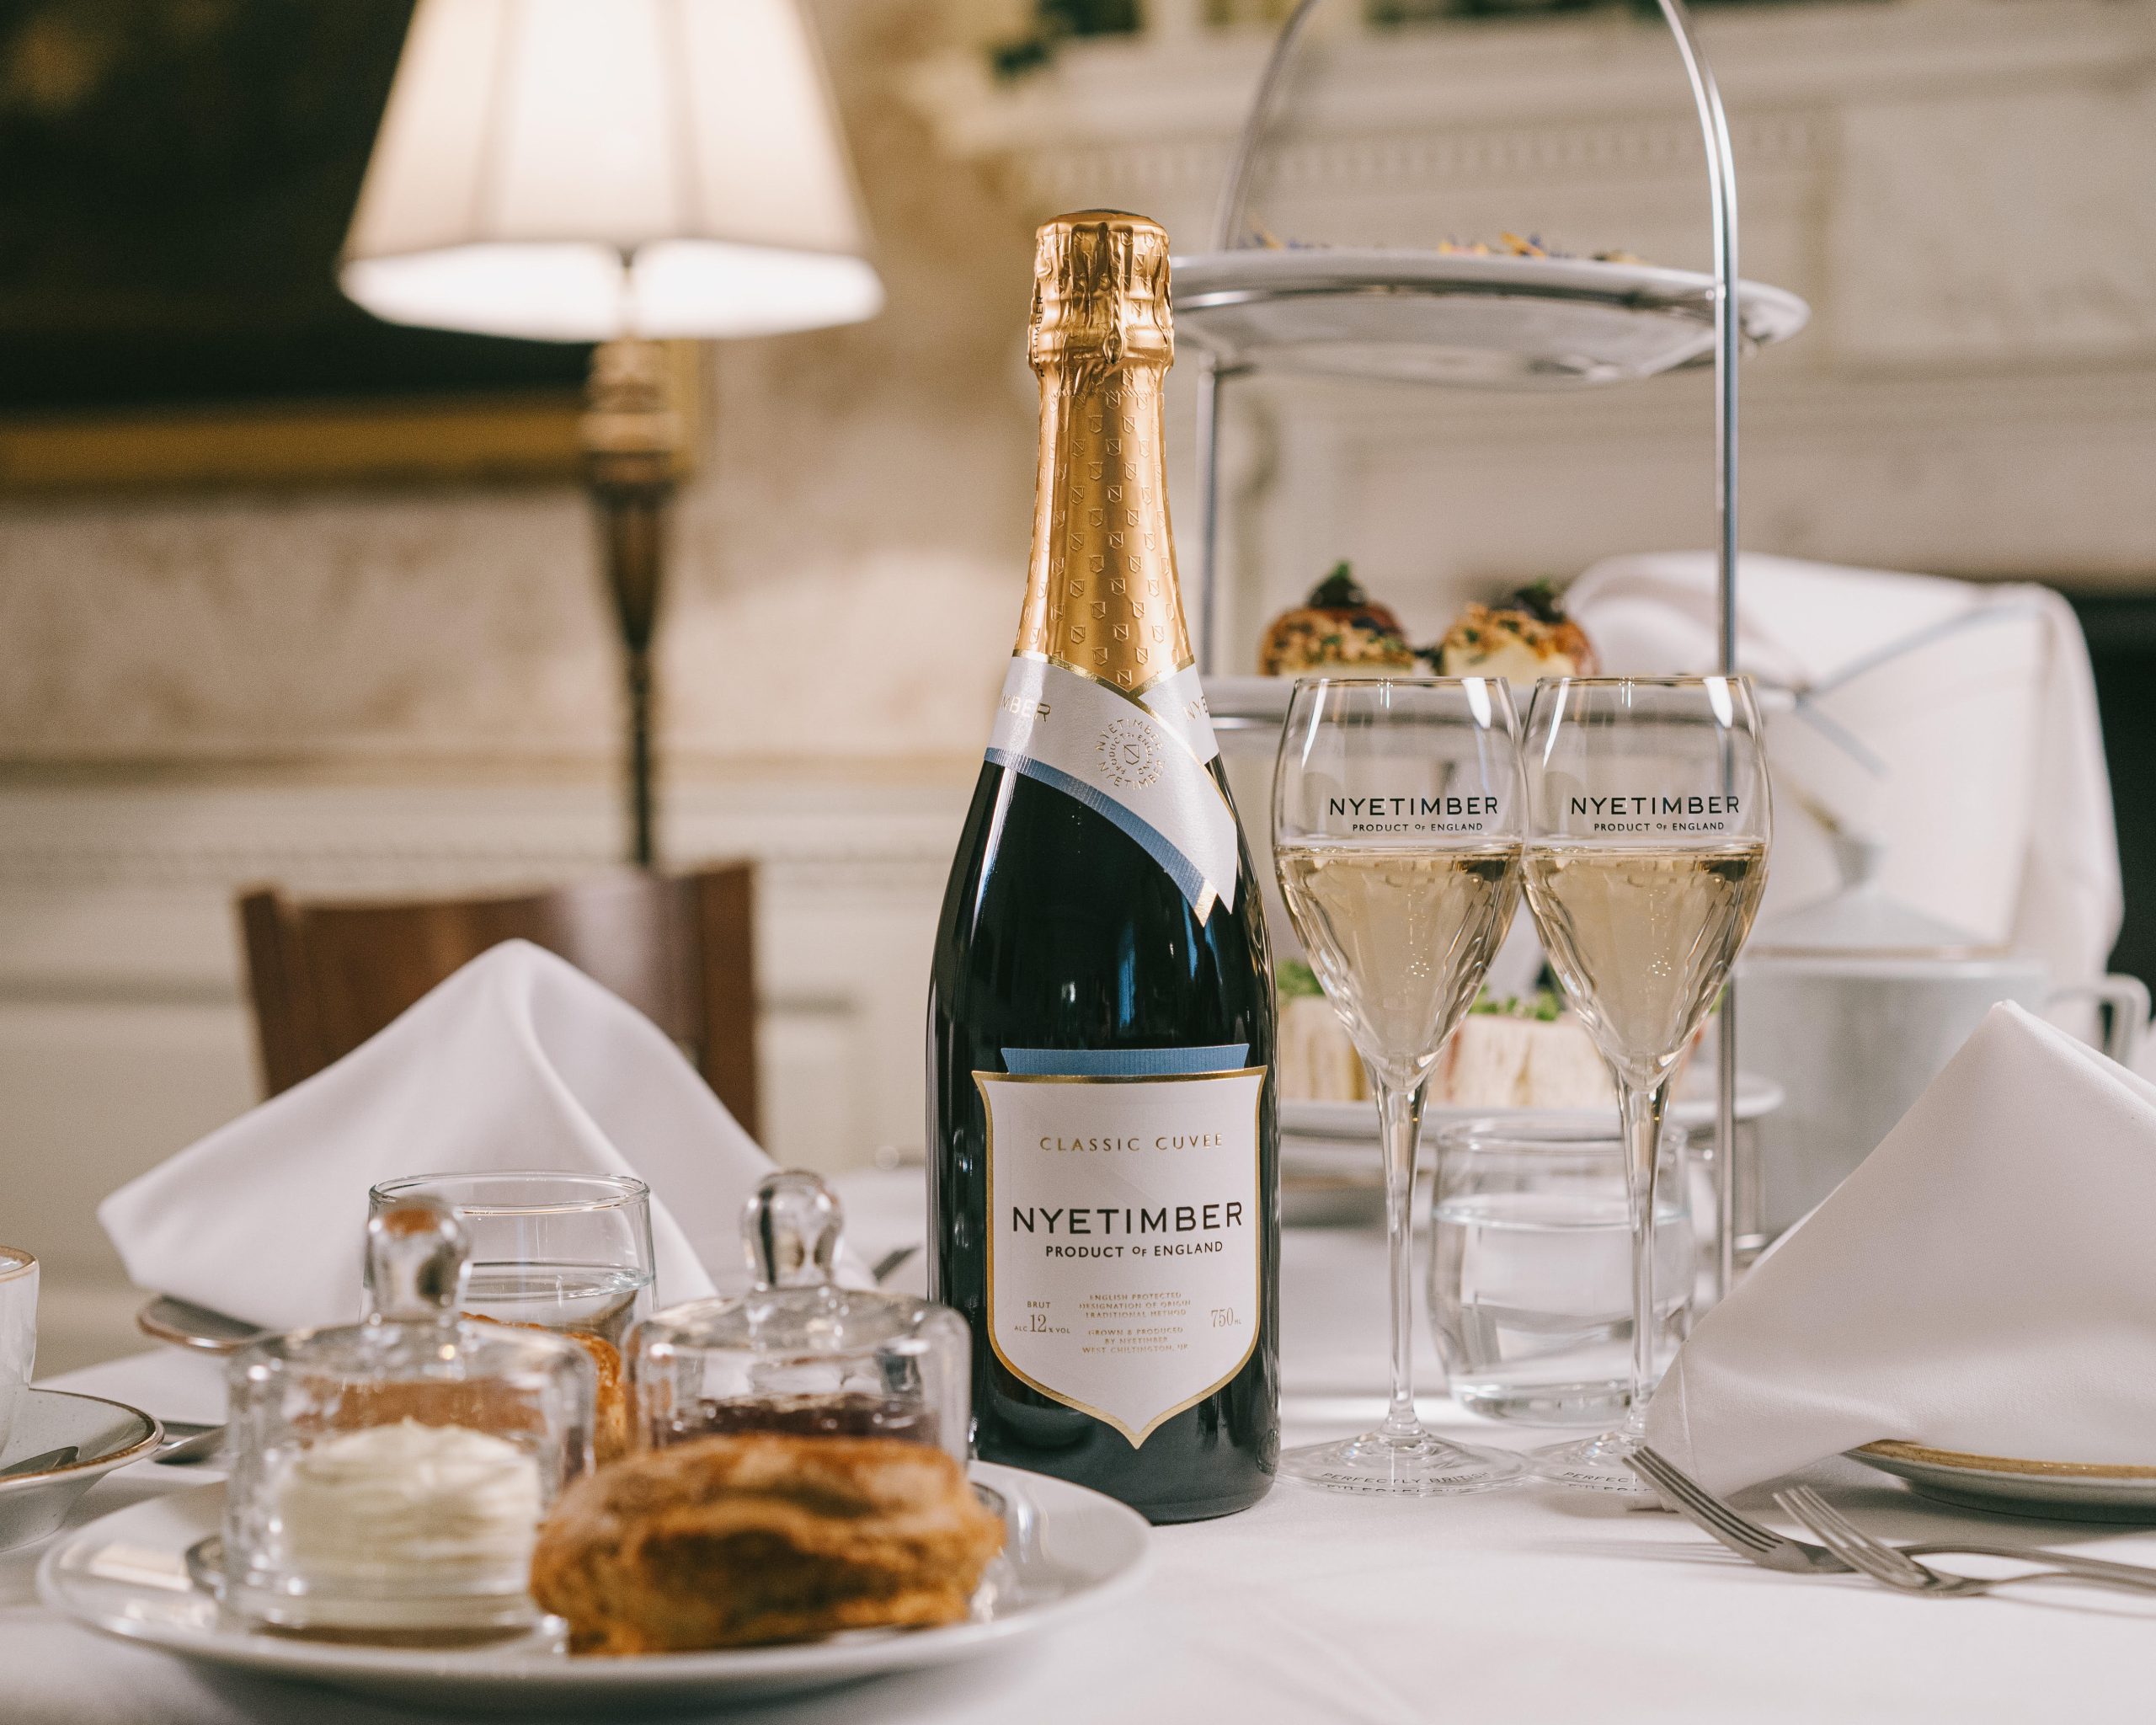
x=1981, y=1283
x=1945, y=783
x=518, y=1061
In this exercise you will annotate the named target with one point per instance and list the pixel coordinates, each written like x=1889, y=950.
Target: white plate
x=105, y=1434
x=126, y=1575
x=1359, y=1120
x=2070, y=1491
x=1445, y=318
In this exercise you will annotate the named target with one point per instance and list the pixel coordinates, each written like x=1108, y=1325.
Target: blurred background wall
x=401, y=685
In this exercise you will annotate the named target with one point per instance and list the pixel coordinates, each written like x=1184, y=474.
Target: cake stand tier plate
x=1449, y=318
x=1341, y=1124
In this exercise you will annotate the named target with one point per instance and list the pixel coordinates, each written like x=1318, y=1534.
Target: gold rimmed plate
x=94, y=1435
x=2070, y=1491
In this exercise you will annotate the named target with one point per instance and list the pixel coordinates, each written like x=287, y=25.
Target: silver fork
x=1896, y=1569
x=1773, y=1551
x=1700, y=1507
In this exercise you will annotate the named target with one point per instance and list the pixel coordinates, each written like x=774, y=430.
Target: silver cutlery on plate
x=40, y=1464
x=184, y=1324
x=196, y=1443
x=1774, y=1551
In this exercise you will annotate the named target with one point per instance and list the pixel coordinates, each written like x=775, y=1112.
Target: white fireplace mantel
x=1161, y=89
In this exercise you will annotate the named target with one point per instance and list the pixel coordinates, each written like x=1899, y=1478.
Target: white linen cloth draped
x=1535, y=1607
x=1981, y=1283
x=517, y=1061
x=1956, y=720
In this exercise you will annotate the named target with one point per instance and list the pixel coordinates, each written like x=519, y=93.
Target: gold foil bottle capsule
x=1101, y=596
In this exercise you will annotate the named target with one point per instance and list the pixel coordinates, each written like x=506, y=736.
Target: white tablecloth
x=1531, y=1606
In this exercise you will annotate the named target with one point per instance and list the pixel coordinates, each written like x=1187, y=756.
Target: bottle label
x=1125, y=1239
x=1139, y=761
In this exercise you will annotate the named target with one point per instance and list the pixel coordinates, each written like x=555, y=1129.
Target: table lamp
x=622, y=172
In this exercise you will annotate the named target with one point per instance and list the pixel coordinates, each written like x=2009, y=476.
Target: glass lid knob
x=792, y=1227
x=418, y=1259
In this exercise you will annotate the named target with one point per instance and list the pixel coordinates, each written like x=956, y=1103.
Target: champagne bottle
x=1104, y=1175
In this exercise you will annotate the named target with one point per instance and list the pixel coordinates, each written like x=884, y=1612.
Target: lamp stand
x=632, y=436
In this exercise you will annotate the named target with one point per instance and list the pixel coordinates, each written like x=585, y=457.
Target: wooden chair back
x=325, y=976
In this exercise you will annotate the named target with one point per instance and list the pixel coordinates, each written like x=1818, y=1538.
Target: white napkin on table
x=1983, y=1282
x=518, y=1061
x=1814, y=626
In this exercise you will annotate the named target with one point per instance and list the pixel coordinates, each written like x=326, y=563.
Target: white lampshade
x=576, y=170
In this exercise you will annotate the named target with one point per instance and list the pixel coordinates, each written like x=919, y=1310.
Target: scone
x=731, y=1542
x=609, y=1426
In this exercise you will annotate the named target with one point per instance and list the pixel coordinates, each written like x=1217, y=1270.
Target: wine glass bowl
x=1400, y=939
x=1396, y=835
x=1648, y=822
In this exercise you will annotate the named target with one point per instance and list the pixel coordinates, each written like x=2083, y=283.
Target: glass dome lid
x=387, y=1478
x=799, y=1352
x=790, y=1230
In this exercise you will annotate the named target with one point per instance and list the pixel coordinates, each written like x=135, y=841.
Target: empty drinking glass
x=1531, y=1271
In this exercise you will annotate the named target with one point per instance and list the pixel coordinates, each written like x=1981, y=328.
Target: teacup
x=18, y=1330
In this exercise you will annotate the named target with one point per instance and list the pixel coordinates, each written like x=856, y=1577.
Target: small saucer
x=103, y=1435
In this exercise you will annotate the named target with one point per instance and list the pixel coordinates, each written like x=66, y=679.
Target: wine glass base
x=1422, y=1465
x=1595, y=1464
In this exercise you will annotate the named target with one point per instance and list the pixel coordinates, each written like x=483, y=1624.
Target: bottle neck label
x=1139, y=760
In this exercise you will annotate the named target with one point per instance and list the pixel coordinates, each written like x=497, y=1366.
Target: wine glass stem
x=1641, y=1107
x=1399, y=1113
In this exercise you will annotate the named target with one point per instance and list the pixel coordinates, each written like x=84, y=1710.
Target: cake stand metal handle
x=1721, y=186
x=1235, y=190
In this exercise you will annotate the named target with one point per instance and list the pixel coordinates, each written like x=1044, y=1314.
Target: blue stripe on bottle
x=1179, y=867
x=1124, y=1062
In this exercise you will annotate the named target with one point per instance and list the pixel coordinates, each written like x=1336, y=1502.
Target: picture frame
x=181, y=180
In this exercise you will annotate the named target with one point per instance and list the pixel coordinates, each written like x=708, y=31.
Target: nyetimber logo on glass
x=1417, y=813
x=1658, y=812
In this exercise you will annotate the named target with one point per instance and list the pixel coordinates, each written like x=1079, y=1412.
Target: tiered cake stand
x=1445, y=318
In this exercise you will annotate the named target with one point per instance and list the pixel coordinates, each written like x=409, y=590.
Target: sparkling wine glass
x=1648, y=823
x=1396, y=810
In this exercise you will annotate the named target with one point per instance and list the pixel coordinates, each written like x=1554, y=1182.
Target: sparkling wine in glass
x=1395, y=812
x=1648, y=823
